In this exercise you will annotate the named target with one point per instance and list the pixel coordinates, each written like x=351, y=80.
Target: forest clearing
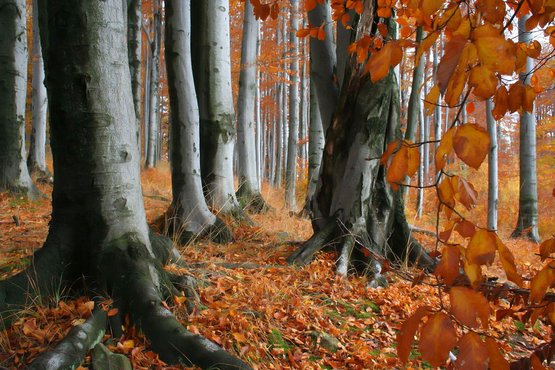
x=275, y=184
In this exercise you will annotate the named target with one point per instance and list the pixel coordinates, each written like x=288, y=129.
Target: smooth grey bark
x=14, y=175
x=423, y=167
x=315, y=148
x=134, y=45
x=189, y=216
x=291, y=167
x=247, y=146
x=437, y=108
x=36, y=161
x=352, y=193
x=415, y=103
x=98, y=238
x=493, y=196
x=212, y=73
x=527, y=223
x=323, y=62
x=153, y=97
x=146, y=93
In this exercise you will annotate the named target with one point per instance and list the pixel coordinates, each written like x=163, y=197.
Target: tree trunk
x=493, y=197
x=527, y=222
x=134, y=38
x=98, y=233
x=36, y=161
x=423, y=166
x=249, y=185
x=291, y=167
x=14, y=175
x=212, y=72
x=189, y=215
x=153, y=97
x=352, y=194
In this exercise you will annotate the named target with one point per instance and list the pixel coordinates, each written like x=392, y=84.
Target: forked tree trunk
x=212, y=72
x=353, y=204
x=36, y=161
x=527, y=223
x=247, y=147
x=14, y=175
x=189, y=215
x=98, y=234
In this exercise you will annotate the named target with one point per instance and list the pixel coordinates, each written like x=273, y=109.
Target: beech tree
x=188, y=215
x=134, y=40
x=36, y=161
x=353, y=201
x=14, y=175
x=212, y=73
x=98, y=239
x=247, y=148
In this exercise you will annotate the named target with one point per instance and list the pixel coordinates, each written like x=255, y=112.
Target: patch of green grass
x=277, y=341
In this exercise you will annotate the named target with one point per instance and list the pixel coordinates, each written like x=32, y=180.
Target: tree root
x=317, y=242
x=217, y=232
x=71, y=351
x=253, y=201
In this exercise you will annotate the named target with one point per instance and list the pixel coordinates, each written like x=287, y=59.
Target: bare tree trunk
x=493, y=197
x=134, y=44
x=154, y=97
x=14, y=175
x=249, y=185
x=189, y=214
x=528, y=196
x=291, y=170
x=212, y=72
x=36, y=161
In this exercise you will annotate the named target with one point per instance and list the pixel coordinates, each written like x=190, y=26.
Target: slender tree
x=98, y=237
x=189, y=215
x=36, y=161
x=212, y=73
x=493, y=197
x=527, y=223
x=247, y=147
x=14, y=175
x=291, y=167
x=154, y=81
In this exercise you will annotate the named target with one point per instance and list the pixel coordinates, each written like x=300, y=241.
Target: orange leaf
x=380, y=62
x=494, y=51
x=528, y=99
x=321, y=33
x=482, y=247
x=465, y=228
x=546, y=248
x=404, y=163
x=473, y=272
x=446, y=192
x=429, y=7
x=425, y=45
x=501, y=101
x=113, y=312
x=516, y=96
x=274, y=12
x=484, y=82
x=448, y=266
x=471, y=144
x=309, y=5
x=240, y=337
x=473, y=354
x=382, y=28
x=430, y=102
x=405, y=336
x=128, y=344
x=496, y=360
x=391, y=148
x=541, y=282
x=437, y=338
x=470, y=108
x=450, y=60
x=508, y=262
x=444, y=149
x=536, y=363
x=303, y=32
x=468, y=305
x=464, y=192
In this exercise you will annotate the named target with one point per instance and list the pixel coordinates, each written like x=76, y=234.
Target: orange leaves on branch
x=546, y=248
x=468, y=305
x=501, y=101
x=471, y=144
x=450, y=61
x=405, y=336
x=484, y=82
x=405, y=160
x=508, y=262
x=437, y=338
x=444, y=150
x=425, y=45
x=494, y=51
x=496, y=360
x=430, y=102
x=481, y=248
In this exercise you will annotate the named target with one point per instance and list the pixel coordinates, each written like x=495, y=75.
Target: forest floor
x=272, y=315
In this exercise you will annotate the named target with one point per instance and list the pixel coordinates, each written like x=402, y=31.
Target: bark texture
x=493, y=188
x=14, y=175
x=134, y=45
x=98, y=234
x=189, y=215
x=247, y=148
x=153, y=91
x=36, y=161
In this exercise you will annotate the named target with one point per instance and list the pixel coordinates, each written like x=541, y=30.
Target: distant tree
x=98, y=238
x=212, y=73
x=527, y=223
x=493, y=181
x=36, y=161
x=14, y=175
x=249, y=184
x=154, y=92
x=188, y=215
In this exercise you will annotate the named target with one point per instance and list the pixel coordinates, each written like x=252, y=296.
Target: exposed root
x=71, y=351
x=176, y=228
x=317, y=242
